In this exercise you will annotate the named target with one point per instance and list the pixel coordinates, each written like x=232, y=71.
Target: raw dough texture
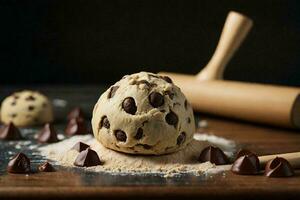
x=26, y=108
x=143, y=113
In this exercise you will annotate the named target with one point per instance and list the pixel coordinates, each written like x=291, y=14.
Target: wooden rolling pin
x=207, y=92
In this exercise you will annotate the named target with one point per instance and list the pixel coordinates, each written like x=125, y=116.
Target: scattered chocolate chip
x=47, y=134
x=112, y=91
x=104, y=122
x=214, y=155
x=46, y=167
x=20, y=163
x=171, y=118
x=167, y=79
x=10, y=132
x=87, y=158
x=170, y=94
x=279, y=167
x=181, y=138
x=156, y=99
x=80, y=146
x=139, y=134
x=76, y=126
x=13, y=103
x=129, y=105
x=44, y=104
x=243, y=152
x=75, y=113
x=30, y=98
x=14, y=115
x=30, y=108
x=246, y=165
x=16, y=96
x=121, y=135
x=153, y=76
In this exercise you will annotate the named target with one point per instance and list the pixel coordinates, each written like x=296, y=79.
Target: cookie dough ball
x=143, y=113
x=26, y=108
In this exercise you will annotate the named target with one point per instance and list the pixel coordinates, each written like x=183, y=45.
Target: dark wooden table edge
x=143, y=191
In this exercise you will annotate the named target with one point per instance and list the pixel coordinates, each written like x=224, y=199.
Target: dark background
x=47, y=42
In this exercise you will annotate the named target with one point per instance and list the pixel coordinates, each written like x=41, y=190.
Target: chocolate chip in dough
x=121, y=136
x=171, y=118
x=30, y=108
x=156, y=99
x=13, y=103
x=181, y=138
x=129, y=105
x=279, y=167
x=139, y=134
x=104, y=122
x=167, y=79
x=112, y=91
x=80, y=146
x=170, y=94
x=46, y=167
x=14, y=115
x=30, y=98
x=214, y=155
x=185, y=104
x=19, y=164
x=47, y=134
x=87, y=158
x=10, y=132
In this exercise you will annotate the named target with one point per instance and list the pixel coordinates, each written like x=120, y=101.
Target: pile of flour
x=184, y=161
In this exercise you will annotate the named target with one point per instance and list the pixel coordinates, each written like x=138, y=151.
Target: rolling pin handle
x=234, y=32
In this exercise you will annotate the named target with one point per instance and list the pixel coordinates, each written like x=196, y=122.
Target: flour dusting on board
x=184, y=161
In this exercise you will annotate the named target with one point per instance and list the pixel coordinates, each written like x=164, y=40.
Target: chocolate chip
x=145, y=146
x=76, y=126
x=87, y=158
x=188, y=120
x=153, y=76
x=279, y=167
x=80, y=146
x=121, y=135
x=30, y=98
x=171, y=118
x=167, y=79
x=16, y=97
x=181, y=138
x=214, y=155
x=13, y=115
x=185, y=104
x=243, y=152
x=104, y=122
x=30, y=108
x=46, y=167
x=129, y=105
x=44, y=105
x=13, y=103
x=156, y=99
x=139, y=134
x=47, y=134
x=20, y=164
x=10, y=132
x=75, y=113
x=246, y=165
x=170, y=94
x=112, y=91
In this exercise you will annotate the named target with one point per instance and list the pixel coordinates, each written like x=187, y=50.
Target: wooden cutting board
x=70, y=183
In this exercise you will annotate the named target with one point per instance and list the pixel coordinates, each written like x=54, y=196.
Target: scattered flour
x=184, y=161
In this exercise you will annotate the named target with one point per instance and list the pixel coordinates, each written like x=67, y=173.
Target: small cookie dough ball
x=26, y=108
x=143, y=113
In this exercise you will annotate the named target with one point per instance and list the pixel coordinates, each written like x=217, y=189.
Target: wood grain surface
x=66, y=183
